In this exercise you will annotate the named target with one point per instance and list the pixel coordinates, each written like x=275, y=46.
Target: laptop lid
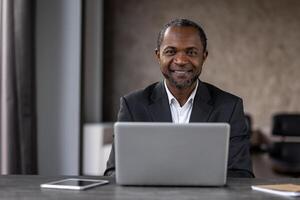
x=193, y=154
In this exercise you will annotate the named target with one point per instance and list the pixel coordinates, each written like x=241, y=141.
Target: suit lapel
x=201, y=107
x=159, y=108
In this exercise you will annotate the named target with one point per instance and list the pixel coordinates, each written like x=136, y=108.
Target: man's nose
x=180, y=58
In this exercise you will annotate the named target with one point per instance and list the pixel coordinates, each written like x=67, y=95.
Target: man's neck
x=181, y=95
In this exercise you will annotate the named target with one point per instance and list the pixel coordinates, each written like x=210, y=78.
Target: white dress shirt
x=180, y=114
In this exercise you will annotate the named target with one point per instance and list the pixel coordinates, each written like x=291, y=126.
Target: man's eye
x=170, y=52
x=192, y=53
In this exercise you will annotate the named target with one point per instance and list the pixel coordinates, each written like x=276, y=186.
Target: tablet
x=74, y=184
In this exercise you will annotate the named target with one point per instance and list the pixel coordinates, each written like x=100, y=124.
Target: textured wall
x=253, y=49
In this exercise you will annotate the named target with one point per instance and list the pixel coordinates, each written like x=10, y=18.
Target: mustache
x=185, y=67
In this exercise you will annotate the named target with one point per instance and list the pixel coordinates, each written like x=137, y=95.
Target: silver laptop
x=193, y=154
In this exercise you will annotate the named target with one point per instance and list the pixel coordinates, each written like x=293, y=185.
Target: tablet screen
x=75, y=182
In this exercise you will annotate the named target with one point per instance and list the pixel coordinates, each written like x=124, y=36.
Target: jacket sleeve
x=239, y=164
x=125, y=116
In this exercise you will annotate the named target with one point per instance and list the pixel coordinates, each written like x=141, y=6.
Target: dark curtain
x=17, y=79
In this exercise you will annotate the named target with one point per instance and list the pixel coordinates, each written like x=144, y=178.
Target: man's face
x=181, y=56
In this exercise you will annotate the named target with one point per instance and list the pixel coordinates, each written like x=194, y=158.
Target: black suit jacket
x=210, y=105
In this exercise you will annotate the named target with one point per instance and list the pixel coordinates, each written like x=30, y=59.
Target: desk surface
x=28, y=187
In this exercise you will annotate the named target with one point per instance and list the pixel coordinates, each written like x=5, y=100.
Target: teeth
x=180, y=72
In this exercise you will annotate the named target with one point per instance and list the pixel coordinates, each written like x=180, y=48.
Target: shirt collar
x=171, y=98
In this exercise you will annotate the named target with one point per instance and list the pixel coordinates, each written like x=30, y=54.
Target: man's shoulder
x=143, y=94
x=219, y=95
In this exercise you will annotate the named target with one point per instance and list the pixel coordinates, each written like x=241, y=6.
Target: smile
x=181, y=71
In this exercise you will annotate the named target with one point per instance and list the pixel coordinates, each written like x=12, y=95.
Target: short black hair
x=182, y=23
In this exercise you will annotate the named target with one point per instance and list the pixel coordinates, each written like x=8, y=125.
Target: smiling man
x=182, y=98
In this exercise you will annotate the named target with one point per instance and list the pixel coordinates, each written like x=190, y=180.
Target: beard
x=182, y=84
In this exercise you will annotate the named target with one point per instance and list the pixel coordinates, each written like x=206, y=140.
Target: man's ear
x=157, y=53
x=205, y=54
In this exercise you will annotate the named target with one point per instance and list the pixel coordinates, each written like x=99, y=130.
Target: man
x=183, y=98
